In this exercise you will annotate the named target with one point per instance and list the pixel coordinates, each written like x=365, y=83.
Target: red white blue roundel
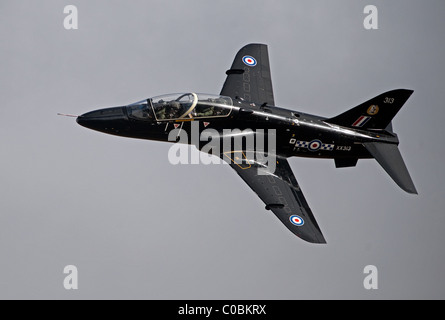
x=314, y=145
x=250, y=61
x=296, y=220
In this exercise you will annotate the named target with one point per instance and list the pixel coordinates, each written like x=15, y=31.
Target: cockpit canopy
x=140, y=110
x=181, y=106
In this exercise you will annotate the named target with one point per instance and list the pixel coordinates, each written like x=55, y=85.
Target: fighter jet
x=246, y=107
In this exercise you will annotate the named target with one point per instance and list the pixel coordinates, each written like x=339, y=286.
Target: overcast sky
x=137, y=227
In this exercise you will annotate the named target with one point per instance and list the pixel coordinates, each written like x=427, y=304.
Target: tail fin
x=376, y=113
x=389, y=157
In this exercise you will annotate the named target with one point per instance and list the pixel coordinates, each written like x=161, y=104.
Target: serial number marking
x=344, y=148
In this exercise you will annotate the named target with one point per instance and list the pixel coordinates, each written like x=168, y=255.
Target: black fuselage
x=297, y=134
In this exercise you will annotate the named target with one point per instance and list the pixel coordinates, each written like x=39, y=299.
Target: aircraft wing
x=281, y=194
x=249, y=77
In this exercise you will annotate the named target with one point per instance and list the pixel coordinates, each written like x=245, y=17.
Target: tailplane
x=389, y=157
x=376, y=113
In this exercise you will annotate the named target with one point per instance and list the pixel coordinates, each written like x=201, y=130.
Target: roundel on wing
x=249, y=61
x=296, y=220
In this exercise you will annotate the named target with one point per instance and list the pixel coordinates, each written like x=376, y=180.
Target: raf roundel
x=249, y=61
x=296, y=220
x=314, y=145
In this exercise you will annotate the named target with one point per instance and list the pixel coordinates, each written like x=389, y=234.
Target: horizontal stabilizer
x=389, y=157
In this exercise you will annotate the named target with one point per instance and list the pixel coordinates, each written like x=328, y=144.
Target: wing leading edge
x=282, y=195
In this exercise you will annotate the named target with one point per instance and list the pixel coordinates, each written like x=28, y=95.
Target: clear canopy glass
x=140, y=110
x=184, y=106
x=181, y=106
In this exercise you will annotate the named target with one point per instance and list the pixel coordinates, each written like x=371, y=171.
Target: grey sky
x=138, y=227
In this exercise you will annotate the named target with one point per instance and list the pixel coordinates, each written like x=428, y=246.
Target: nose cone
x=110, y=120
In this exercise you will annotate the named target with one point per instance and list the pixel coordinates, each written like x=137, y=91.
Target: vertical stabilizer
x=376, y=113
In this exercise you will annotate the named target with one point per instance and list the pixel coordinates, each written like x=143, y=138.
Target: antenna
x=67, y=115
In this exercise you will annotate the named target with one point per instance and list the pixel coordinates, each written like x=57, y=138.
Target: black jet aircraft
x=246, y=101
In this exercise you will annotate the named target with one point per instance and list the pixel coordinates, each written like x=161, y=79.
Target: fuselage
x=296, y=133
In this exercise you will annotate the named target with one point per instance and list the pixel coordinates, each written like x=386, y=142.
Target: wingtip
x=413, y=191
x=408, y=186
x=316, y=239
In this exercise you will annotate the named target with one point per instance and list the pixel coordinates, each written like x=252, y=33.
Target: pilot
x=174, y=109
x=206, y=112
